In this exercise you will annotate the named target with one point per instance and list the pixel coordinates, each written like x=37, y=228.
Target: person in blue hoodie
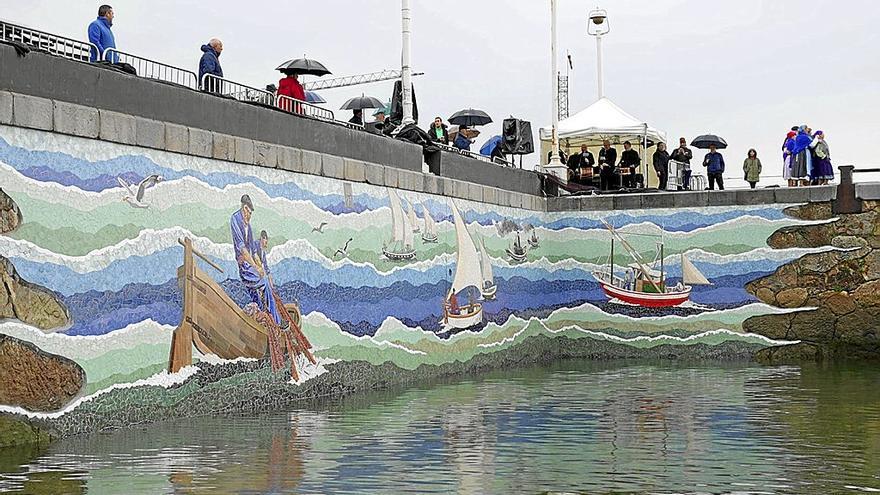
x=100, y=34
x=714, y=164
x=210, y=64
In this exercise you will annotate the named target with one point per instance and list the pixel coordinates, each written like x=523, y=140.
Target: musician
x=607, y=160
x=579, y=161
x=629, y=165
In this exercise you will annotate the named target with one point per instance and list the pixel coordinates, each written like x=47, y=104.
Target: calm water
x=580, y=427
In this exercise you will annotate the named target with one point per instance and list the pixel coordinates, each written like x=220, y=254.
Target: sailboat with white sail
x=430, y=232
x=645, y=285
x=413, y=219
x=468, y=277
x=400, y=248
x=489, y=287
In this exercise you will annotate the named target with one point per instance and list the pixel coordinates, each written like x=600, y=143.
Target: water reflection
x=578, y=427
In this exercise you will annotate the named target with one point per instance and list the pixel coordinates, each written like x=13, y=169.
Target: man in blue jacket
x=100, y=34
x=714, y=164
x=210, y=64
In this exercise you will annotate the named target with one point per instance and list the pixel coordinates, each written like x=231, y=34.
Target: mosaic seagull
x=136, y=198
x=320, y=228
x=344, y=249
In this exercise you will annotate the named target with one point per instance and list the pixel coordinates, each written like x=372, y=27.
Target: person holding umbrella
x=714, y=163
x=357, y=106
x=290, y=87
x=462, y=141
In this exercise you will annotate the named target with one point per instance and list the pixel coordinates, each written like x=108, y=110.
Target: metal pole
x=554, y=143
x=406, y=70
x=601, y=86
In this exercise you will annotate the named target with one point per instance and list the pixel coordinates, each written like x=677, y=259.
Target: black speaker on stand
x=516, y=137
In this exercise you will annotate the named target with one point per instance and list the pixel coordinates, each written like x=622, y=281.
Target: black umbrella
x=362, y=102
x=705, y=140
x=470, y=117
x=303, y=66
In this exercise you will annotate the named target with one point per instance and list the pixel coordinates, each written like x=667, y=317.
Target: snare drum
x=585, y=173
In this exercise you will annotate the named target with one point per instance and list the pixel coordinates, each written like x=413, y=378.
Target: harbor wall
x=372, y=322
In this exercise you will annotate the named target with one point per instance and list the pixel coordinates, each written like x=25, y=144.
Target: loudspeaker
x=516, y=137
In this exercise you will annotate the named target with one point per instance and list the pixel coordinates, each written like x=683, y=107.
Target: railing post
x=846, y=201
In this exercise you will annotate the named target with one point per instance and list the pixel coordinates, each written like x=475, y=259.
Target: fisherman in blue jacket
x=100, y=34
x=714, y=164
x=210, y=64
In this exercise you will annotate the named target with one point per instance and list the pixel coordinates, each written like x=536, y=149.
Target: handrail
x=241, y=92
x=61, y=46
x=152, y=69
x=292, y=105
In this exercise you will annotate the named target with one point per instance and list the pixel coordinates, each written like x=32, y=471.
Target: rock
x=34, y=379
x=810, y=211
x=815, y=326
x=10, y=215
x=840, y=303
x=871, y=265
x=819, y=262
x=29, y=303
x=770, y=326
x=860, y=328
x=766, y=295
x=15, y=433
x=792, y=298
x=868, y=294
x=794, y=353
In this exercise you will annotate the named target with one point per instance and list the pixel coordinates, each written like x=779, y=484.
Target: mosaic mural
x=239, y=264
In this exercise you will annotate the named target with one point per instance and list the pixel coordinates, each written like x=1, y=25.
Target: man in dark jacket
x=714, y=164
x=607, y=160
x=629, y=164
x=210, y=64
x=683, y=155
x=577, y=161
x=100, y=34
x=661, y=165
x=438, y=131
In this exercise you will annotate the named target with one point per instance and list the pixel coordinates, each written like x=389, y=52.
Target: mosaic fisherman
x=250, y=256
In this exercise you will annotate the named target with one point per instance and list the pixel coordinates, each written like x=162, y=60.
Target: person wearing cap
x=248, y=254
x=787, y=146
x=683, y=156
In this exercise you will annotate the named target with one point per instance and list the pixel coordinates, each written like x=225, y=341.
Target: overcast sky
x=746, y=70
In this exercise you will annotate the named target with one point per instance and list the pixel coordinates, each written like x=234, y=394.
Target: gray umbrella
x=362, y=102
x=470, y=117
x=703, y=142
x=303, y=66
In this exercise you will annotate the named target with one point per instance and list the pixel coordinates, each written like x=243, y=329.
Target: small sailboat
x=468, y=276
x=489, y=288
x=516, y=251
x=643, y=285
x=413, y=220
x=400, y=248
x=430, y=233
x=533, y=240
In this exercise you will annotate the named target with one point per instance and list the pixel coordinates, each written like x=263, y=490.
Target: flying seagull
x=136, y=198
x=320, y=228
x=344, y=249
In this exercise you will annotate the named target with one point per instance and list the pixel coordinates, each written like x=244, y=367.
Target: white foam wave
x=84, y=347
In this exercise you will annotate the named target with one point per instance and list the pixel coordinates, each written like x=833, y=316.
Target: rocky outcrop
x=29, y=303
x=34, y=379
x=17, y=432
x=842, y=285
x=10, y=215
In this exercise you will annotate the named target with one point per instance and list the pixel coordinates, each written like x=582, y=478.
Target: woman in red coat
x=290, y=86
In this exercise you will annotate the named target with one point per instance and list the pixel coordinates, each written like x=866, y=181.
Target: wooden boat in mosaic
x=211, y=320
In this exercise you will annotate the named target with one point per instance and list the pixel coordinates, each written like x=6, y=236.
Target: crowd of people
x=806, y=158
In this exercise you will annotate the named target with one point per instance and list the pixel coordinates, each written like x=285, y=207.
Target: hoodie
x=210, y=63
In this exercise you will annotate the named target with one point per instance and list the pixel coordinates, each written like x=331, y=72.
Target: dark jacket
x=683, y=156
x=102, y=37
x=714, y=163
x=661, y=161
x=562, y=157
x=433, y=133
x=210, y=63
x=462, y=142
x=607, y=157
x=581, y=160
x=629, y=158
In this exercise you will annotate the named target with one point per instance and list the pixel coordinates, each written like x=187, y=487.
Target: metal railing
x=152, y=69
x=56, y=45
x=241, y=92
x=471, y=154
x=300, y=107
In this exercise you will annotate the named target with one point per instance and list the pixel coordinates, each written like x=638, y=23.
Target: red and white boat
x=643, y=285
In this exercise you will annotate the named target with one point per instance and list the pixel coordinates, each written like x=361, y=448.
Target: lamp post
x=555, y=165
x=405, y=68
x=599, y=26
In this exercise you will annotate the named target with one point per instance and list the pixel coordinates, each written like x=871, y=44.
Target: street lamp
x=599, y=26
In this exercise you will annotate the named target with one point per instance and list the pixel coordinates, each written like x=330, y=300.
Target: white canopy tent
x=603, y=120
x=600, y=121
